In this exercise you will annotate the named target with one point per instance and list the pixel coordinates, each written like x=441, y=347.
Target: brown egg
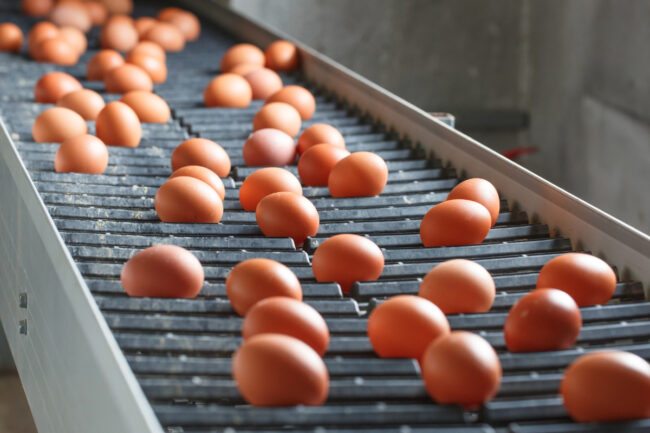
x=299, y=98
x=241, y=53
x=252, y=280
x=480, y=191
x=459, y=286
x=151, y=49
x=361, y=174
x=347, y=258
x=199, y=151
x=81, y=154
x=187, y=23
x=269, y=147
x=57, y=125
x=228, y=90
x=403, y=326
x=36, y=8
x=126, y=78
x=149, y=107
x=97, y=12
x=118, y=125
x=264, y=82
x=168, y=12
x=121, y=7
x=75, y=38
x=316, y=163
x=318, y=134
x=53, y=86
x=119, y=33
x=58, y=51
x=278, y=370
x=266, y=181
x=163, y=271
x=143, y=24
x=168, y=36
x=455, y=222
x=85, y=102
x=11, y=37
x=278, y=115
x=282, y=56
x=102, y=62
x=244, y=68
x=185, y=199
x=287, y=214
x=205, y=174
x=73, y=14
x=40, y=32
x=156, y=69
x=287, y=316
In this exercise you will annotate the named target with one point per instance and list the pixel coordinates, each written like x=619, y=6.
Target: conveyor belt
x=180, y=349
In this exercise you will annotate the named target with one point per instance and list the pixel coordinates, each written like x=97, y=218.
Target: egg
x=148, y=106
x=244, y=68
x=151, y=49
x=264, y=82
x=278, y=370
x=81, y=154
x=360, y=174
x=73, y=14
x=53, y=86
x=40, y=32
x=544, y=319
x=480, y=191
x=97, y=12
x=266, y=181
x=318, y=134
x=241, y=53
x=287, y=214
x=57, y=125
x=403, y=326
x=459, y=286
x=461, y=368
x=204, y=174
x=168, y=36
x=282, y=56
x=75, y=38
x=278, y=115
x=299, y=98
x=288, y=316
x=126, y=78
x=228, y=90
x=187, y=23
x=185, y=199
x=36, y=8
x=455, y=222
x=124, y=7
x=118, y=125
x=588, y=279
x=87, y=103
x=11, y=38
x=203, y=152
x=163, y=271
x=347, y=258
x=156, y=69
x=252, y=280
x=102, y=62
x=165, y=13
x=143, y=24
x=58, y=51
x=269, y=147
x=119, y=34
x=315, y=165
x=605, y=386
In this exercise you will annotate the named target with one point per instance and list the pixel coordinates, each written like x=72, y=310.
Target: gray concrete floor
x=15, y=416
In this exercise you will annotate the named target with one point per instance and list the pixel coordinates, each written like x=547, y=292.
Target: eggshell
x=58, y=51
x=165, y=13
x=75, y=38
x=187, y=23
x=199, y=151
x=544, y=319
x=148, y=106
x=118, y=125
x=459, y=286
x=57, y=125
x=282, y=56
x=168, y=36
x=320, y=133
x=480, y=191
x=287, y=316
x=119, y=33
x=588, y=279
x=287, y=214
x=53, y=86
x=266, y=181
x=40, y=32
x=228, y=90
x=36, y=8
x=455, y=222
x=163, y=271
x=241, y=53
x=102, y=62
x=143, y=24
x=360, y=174
x=608, y=385
x=85, y=102
x=204, y=174
x=11, y=38
x=126, y=78
x=151, y=49
x=124, y=7
x=252, y=280
x=461, y=368
x=244, y=68
x=185, y=199
x=278, y=370
x=97, y=12
x=73, y=14
x=278, y=115
x=404, y=326
x=299, y=98
x=156, y=69
x=316, y=163
x=347, y=258
x=269, y=147
x=81, y=154
x=264, y=82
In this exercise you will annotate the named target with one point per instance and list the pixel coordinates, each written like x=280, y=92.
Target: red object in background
x=516, y=152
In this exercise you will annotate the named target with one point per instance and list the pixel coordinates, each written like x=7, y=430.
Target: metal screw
x=22, y=300
x=22, y=327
